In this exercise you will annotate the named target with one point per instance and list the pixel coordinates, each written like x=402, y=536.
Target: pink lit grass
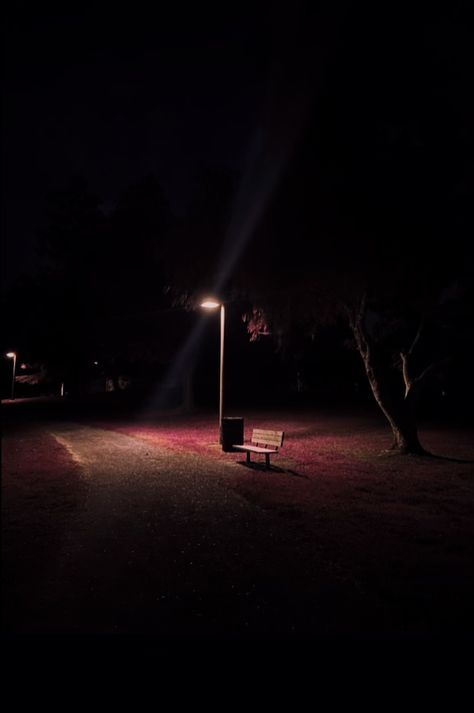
x=395, y=533
x=326, y=458
x=398, y=529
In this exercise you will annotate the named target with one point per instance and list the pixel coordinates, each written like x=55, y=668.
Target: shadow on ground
x=271, y=469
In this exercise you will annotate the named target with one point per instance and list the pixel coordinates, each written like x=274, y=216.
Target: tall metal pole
x=221, y=374
x=13, y=377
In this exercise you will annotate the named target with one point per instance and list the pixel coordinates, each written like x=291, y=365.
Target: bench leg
x=248, y=456
x=267, y=460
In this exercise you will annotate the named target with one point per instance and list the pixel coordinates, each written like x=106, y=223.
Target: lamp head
x=11, y=355
x=210, y=303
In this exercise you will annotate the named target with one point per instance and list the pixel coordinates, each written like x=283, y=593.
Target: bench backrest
x=267, y=438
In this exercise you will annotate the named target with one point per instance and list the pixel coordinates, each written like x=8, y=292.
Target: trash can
x=232, y=432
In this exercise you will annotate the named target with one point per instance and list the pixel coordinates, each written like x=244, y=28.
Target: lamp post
x=12, y=355
x=211, y=303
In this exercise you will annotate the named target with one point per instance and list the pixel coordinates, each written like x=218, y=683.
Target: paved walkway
x=164, y=546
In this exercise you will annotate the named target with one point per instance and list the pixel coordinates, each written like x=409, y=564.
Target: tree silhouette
x=99, y=293
x=371, y=222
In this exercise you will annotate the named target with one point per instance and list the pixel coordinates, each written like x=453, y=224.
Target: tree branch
x=364, y=344
x=432, y=367
x=362, y=307
x=405, y=371
x=405, y=357
x=416, y=339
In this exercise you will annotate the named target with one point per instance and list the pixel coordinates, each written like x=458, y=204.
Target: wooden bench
x=266, y=442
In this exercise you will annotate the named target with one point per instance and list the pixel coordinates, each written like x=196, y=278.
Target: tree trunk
x=401, y=417
x=399, y=410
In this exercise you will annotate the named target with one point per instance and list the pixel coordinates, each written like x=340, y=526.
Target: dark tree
x=374, y=219
x=371, y=221
x=99, y=294
x=52, y=312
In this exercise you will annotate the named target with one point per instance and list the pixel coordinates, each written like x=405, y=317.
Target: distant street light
x=211, y=303
x=12, y=355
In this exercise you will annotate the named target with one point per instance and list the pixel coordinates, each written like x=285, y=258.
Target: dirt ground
x=148, y=528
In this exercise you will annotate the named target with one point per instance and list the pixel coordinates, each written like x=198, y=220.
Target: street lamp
x=12, y=355
x=211, y=303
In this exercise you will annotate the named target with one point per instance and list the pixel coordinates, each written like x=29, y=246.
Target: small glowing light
x=23, y=366
x=210, y=304
x=96, y=363
x=11, y=355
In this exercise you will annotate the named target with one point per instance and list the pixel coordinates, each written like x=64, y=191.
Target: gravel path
x=109, y=533
x=164, y=546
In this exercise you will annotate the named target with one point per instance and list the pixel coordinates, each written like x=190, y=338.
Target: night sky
x=113, y=94
x=112, y=97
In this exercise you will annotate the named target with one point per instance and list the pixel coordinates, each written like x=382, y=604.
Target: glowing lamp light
x=210, y=304
x=11, y=355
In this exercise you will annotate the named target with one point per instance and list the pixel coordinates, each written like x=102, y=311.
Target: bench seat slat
x=263, y=439
x=256, y=449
